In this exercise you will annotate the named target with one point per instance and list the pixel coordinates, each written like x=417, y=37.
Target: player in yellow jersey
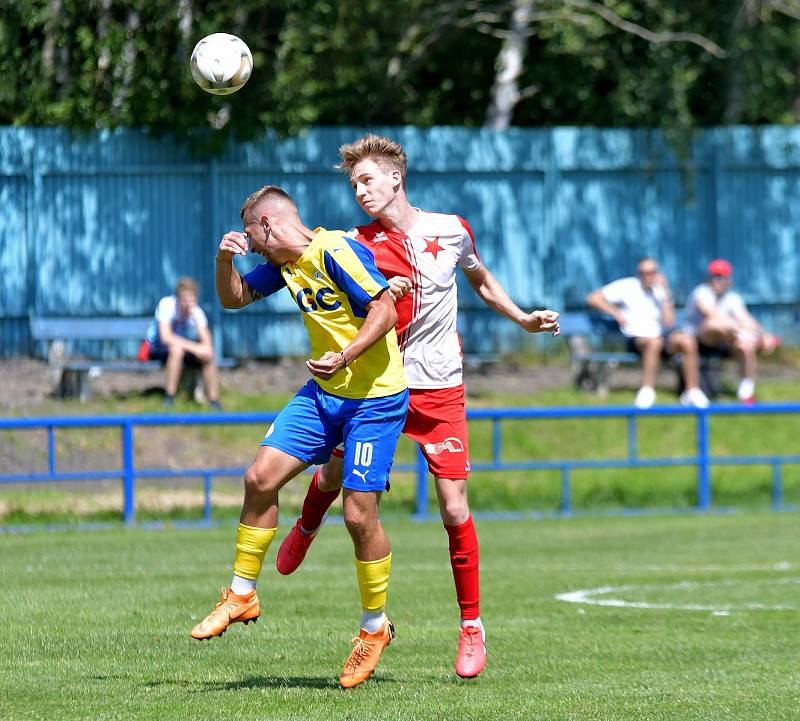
x=357, y=395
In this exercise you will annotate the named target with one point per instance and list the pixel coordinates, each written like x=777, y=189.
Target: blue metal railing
x=128, y=472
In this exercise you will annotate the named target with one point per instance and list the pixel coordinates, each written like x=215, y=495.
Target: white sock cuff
x=372, y=621
x=242, y=586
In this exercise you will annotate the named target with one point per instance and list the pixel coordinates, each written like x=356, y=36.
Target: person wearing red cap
x=643, y=309
x=719, y=318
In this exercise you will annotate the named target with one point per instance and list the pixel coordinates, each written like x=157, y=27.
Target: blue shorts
x=315, y=421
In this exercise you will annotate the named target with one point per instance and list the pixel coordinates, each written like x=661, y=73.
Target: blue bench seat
x=73, y=375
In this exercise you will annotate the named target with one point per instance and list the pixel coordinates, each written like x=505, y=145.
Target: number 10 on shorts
x=363, y=455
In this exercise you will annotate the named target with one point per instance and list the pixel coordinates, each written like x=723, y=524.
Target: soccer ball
x=221, y=63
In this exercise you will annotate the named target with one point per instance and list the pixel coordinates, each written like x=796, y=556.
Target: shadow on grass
x=251, y=682
x=274, y=682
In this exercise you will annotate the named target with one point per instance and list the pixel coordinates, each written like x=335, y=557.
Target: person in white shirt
x=643, y=308
x=718, y=317
x=179, y=336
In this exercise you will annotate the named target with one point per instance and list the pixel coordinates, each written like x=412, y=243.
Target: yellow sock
x=251, y=547
x=373, y=582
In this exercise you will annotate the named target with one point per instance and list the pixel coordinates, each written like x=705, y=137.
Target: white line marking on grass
x=589, y=596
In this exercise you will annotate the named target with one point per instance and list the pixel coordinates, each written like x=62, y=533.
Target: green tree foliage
x=92, y=64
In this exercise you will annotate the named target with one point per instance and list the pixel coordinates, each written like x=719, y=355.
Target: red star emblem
x=432, y=246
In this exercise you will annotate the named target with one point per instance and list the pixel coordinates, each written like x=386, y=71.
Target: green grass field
x=96, y=625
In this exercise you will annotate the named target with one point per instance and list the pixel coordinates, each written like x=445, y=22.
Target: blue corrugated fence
x=103, y=224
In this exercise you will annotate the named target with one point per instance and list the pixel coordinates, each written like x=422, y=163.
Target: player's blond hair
x=387, y=153
x=268, y=192
x=186, y=284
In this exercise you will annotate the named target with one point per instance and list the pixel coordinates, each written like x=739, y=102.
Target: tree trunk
x=735, y=92
x=51, y=31
x=127, y=65
x=510, y=65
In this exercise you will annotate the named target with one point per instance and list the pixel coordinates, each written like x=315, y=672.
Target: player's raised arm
x=381, y=318
x=494, y=295
x=232, y=290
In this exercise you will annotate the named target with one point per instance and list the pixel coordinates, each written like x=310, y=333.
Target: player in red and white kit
x=419, y=252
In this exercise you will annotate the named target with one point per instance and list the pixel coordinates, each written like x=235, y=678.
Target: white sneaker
x=694, y=398
x=645, y=397
x=746, y=389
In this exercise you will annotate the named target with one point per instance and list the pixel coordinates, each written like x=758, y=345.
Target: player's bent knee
x=258, y=480
x=359, y=524
x=455, y=512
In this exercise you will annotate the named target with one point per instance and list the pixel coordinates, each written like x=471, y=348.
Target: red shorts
x=437, y=420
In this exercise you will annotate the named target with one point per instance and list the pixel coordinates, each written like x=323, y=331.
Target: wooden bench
x=596, y=347
x=71, y=376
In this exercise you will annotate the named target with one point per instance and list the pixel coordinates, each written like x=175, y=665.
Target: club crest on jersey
x=432, y=247
x=318, y=276
x=453, y=445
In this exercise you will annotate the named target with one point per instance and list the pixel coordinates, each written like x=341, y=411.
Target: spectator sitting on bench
x=178, y=337
x=643, y=309
x=718, y=317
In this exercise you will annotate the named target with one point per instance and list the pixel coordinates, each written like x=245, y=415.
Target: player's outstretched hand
x=327, y=366
x=399, y=286
x=232, y=243
x=541, y=321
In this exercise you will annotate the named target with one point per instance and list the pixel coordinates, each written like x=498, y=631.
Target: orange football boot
x=367, y=649
x=471, y=652
x=230, y=609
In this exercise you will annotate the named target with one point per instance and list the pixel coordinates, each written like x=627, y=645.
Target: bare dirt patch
x=27, y=384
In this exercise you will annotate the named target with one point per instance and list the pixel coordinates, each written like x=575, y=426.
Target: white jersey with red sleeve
x=426, y=326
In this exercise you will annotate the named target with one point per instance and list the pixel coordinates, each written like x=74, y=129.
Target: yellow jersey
x=332, y=283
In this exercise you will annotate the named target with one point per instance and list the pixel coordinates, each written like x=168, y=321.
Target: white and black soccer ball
x=221, y=63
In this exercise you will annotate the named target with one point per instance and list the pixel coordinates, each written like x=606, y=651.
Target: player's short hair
x=268, y=192
x=387, y=153
x=186, y=283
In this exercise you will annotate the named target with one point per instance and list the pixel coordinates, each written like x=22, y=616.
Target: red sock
x=465, y=560
x=316, y=504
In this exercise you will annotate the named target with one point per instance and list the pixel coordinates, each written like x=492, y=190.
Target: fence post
x=422, y=488
x=128, y=475
x=497, y=441
x=777, y=486
x=207, y=498
x=51, y=450
x=703, y=465
x=566, y=492
x=632, y=438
